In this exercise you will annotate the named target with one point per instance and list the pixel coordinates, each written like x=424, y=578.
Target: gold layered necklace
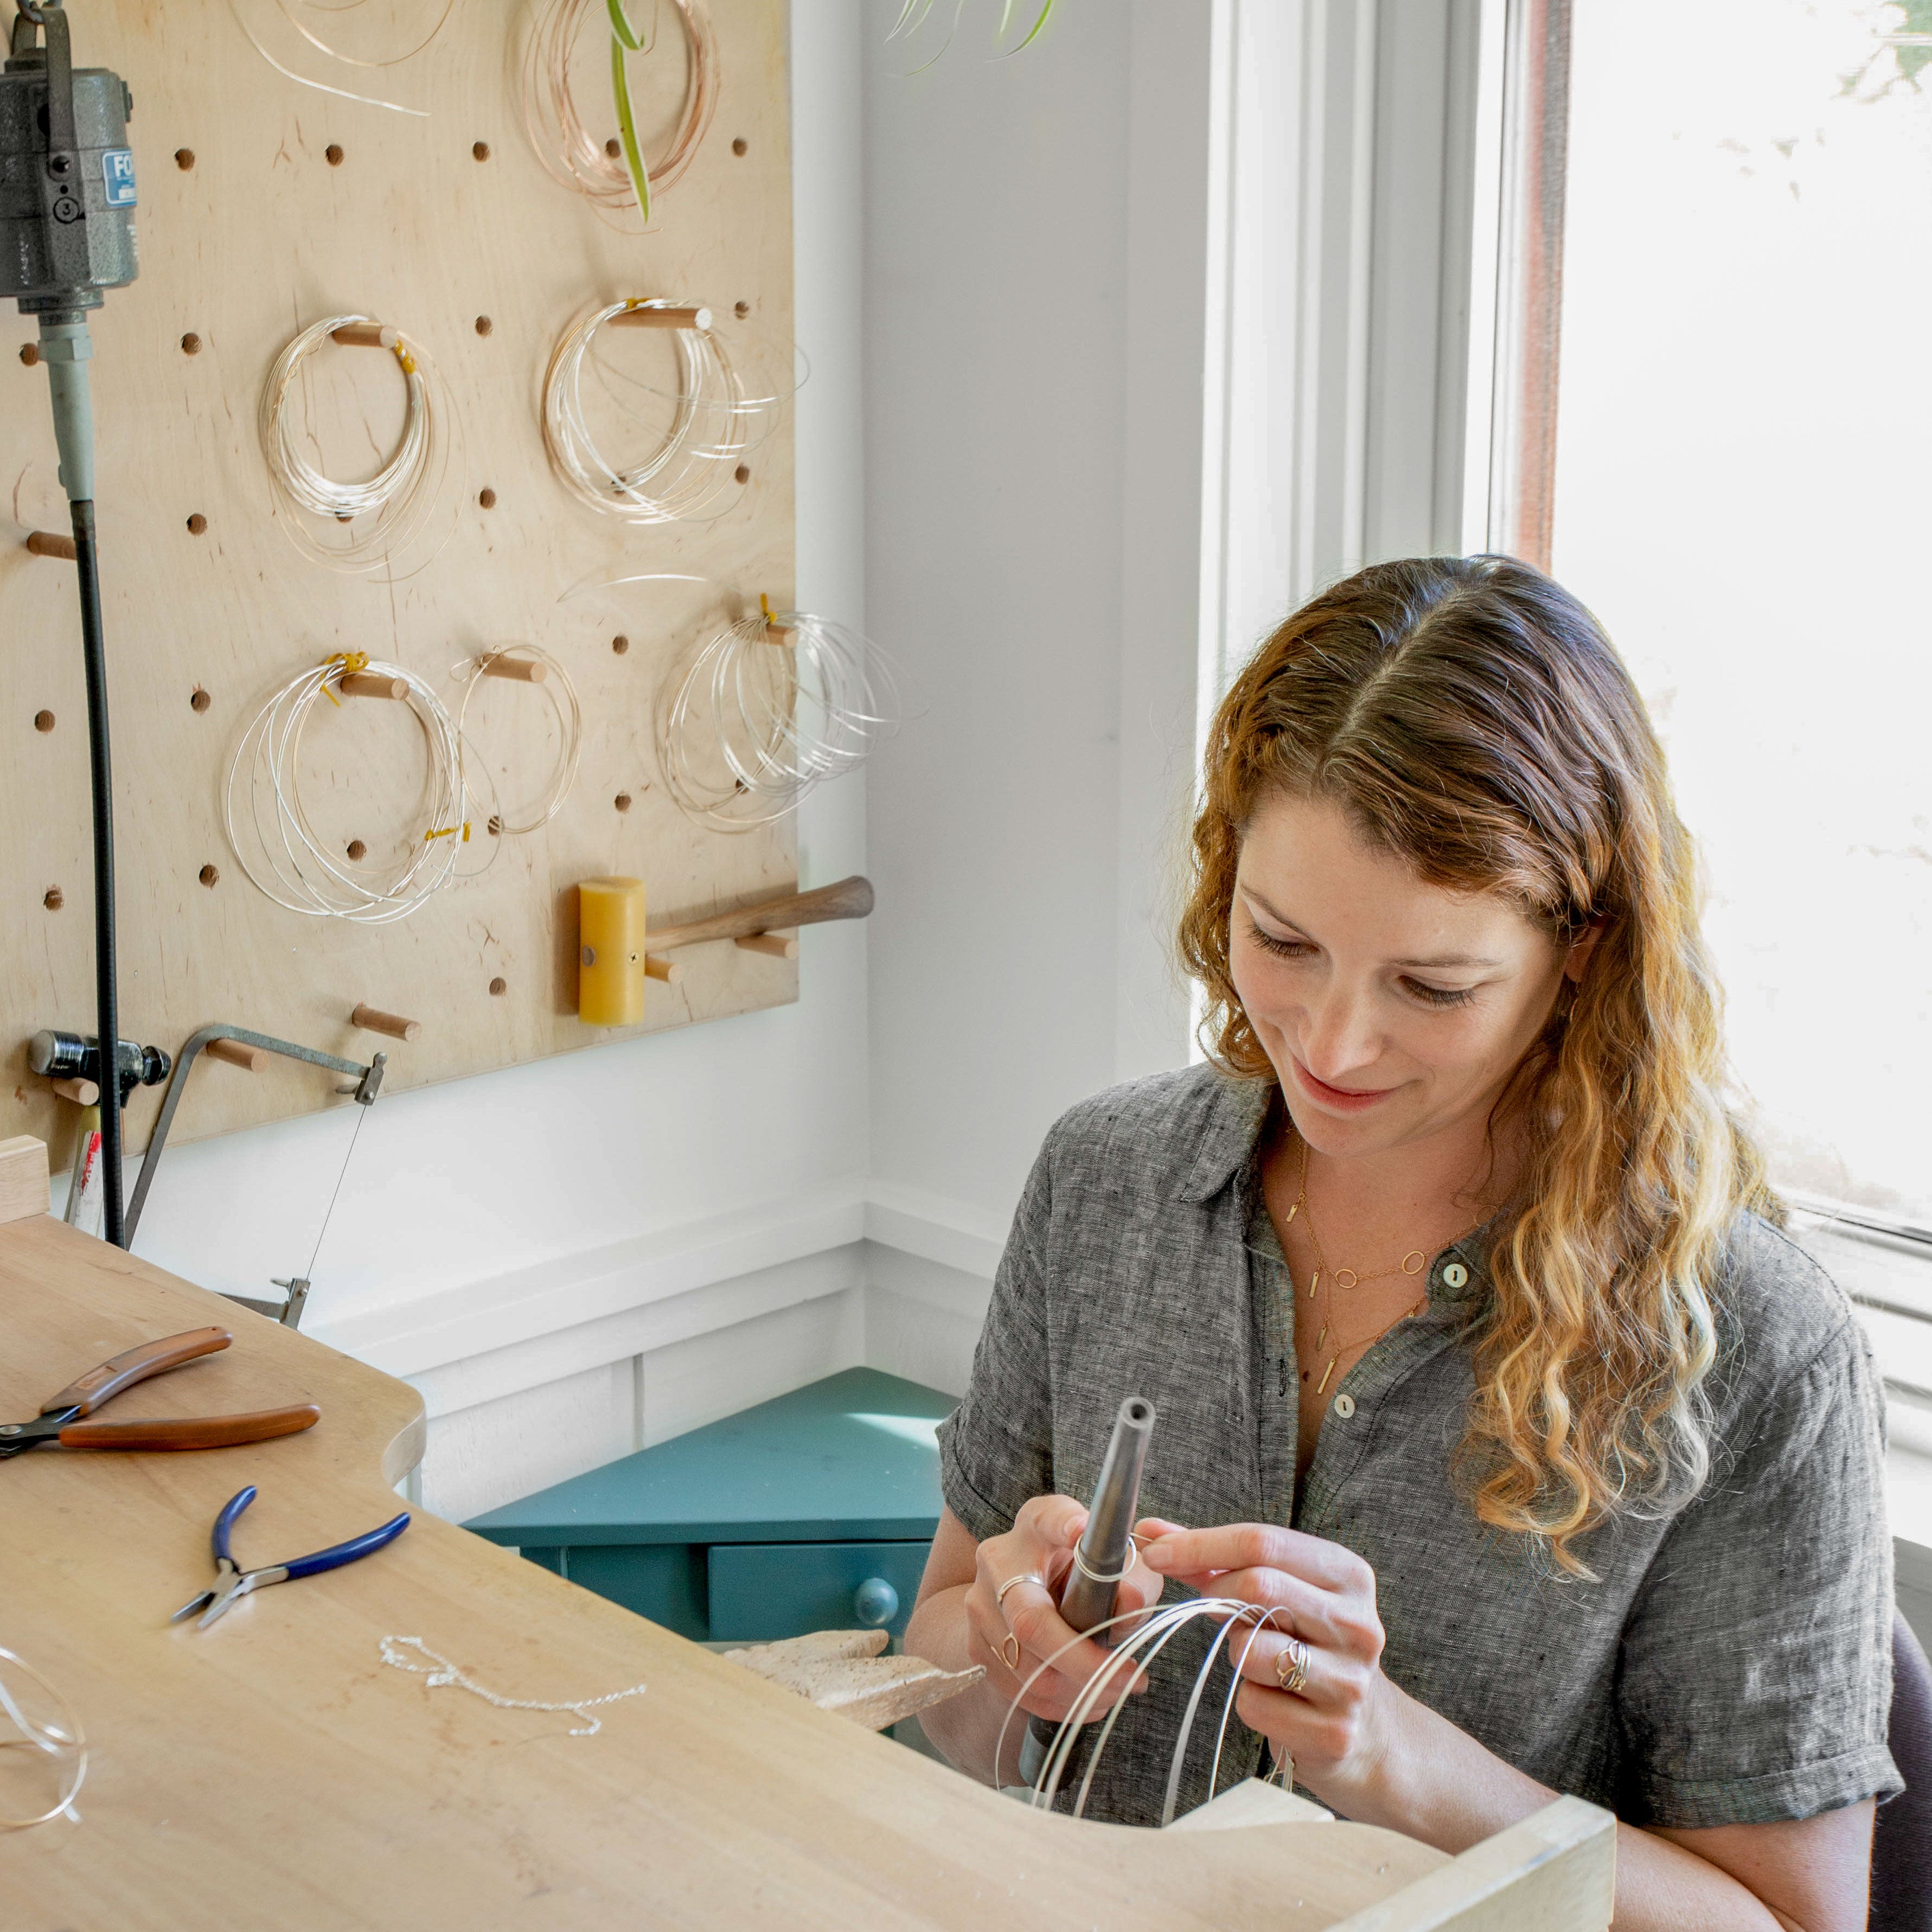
x=1411, y=1264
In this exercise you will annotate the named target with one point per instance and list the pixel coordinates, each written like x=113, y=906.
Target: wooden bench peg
x=371, y=684
x=250, y=1059
x=48, y=543
x=524, y=671
x=664, y=318
x=668, y=970
x=373, y=1019
x=82, y=1092
x=775, y=944
x=364, y=335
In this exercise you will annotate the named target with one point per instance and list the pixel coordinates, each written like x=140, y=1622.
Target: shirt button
x=1345, y=1406
x=1455, y=1276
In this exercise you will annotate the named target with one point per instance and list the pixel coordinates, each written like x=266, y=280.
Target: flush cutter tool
x=232, y=1582
x=61, y=1417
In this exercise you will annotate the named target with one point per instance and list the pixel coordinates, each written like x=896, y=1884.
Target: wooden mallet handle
x=850, y=899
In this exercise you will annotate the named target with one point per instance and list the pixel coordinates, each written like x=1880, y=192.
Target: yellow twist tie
x=351, y=661
x=449, y=832
x=408, y=360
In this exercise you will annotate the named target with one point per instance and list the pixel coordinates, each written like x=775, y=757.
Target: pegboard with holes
x=265, y=205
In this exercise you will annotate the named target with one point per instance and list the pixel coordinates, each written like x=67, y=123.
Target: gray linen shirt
x=1731, y=1666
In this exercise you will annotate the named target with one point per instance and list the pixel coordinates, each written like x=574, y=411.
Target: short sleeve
x=996, y=1449
x=1755, y=1676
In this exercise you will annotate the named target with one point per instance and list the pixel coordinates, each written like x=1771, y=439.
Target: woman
x=1476, y=1354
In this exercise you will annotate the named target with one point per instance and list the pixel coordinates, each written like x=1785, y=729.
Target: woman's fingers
x=1256, y=1546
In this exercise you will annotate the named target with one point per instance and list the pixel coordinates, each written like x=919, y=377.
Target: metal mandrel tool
x=1104, y=1553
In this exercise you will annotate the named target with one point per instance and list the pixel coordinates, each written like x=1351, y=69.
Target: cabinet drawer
x=762, y=1591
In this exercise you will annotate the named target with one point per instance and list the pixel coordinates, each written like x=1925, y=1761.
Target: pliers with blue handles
x=232, y=1582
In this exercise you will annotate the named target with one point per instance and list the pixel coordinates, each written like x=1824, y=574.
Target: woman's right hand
x=1014, y=1634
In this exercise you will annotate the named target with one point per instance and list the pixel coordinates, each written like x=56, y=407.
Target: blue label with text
x=117, y=168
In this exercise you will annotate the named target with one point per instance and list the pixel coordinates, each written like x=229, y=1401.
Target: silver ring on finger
x=1025, y=1576
x=1291, y=1667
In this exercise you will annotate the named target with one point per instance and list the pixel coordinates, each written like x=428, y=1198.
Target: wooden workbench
x=271, y=1771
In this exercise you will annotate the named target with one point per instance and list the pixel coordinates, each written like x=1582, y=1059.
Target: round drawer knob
x=875, y=1603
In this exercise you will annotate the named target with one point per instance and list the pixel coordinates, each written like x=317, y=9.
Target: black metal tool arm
x=368, y=1079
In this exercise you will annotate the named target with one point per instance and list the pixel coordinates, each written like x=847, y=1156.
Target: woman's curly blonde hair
x=1472, y=718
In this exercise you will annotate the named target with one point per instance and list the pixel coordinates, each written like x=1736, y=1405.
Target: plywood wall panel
x=261, y=236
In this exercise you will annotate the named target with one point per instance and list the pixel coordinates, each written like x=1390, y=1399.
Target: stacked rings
x=1291, y=1667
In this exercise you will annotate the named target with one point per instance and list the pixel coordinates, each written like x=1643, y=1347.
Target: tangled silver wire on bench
x=712, y=423
x=772, y=706
x=290, y=862
x=401, y=494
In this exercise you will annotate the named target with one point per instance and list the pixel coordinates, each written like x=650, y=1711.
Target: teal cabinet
x=814, y=1511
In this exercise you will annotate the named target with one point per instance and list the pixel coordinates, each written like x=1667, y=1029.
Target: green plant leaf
x=627, y=122
x=1032, y=32
x=621, y=28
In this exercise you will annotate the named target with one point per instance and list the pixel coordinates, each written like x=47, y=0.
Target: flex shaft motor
x=67, y=234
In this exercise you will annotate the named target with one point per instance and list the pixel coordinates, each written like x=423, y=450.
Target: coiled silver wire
x=290, y=862
x=398, y=499
x=711, y=423
x=770, y=708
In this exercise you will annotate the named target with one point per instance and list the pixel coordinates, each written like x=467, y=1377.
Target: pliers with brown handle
x=60, y=1419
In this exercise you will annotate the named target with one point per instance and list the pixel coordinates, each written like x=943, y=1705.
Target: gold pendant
x=1323, y=1337
x=1323, y=1384
x=1290, y=1215
x=1314, y=1282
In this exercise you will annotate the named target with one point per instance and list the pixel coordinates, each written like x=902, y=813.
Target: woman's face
x=1393, y=1009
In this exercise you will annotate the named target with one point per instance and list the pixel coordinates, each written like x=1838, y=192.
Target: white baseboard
x=535, y=1304
x=541, y=1325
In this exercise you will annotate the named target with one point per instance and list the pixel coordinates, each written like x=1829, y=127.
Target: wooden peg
x=668, y=970
x=364, y=335
x=664, y=318
x=773, y=944
x=250, y=1059
x=47, y=543
x=523, y=671
x=373, y=1019
x=82, y=1092
x=370, y=684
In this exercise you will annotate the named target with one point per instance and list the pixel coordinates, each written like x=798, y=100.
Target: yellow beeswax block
x=610, y=955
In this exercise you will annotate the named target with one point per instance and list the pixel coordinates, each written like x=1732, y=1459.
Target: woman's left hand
x=1337, y=1726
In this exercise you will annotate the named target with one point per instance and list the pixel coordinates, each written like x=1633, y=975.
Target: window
x=1712, y=270
x=1742, y=492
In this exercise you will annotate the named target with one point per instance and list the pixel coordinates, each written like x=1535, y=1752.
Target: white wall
x=575, y=1256
x=1035, y=292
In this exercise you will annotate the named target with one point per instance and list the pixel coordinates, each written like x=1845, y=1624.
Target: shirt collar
x=1236, y=1113
x=1238, y=1110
